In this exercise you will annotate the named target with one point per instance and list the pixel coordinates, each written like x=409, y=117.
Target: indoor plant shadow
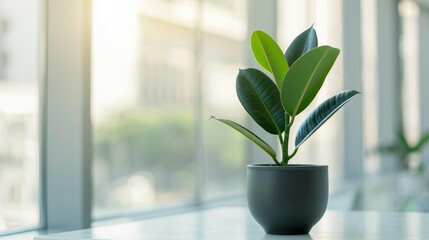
x=285, y=198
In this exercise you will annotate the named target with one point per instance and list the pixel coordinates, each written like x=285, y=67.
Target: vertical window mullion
x=352, y=75
x=68, y=130
x=42, y=106
x=199, y=138
x=423, y=74
x=388, y=78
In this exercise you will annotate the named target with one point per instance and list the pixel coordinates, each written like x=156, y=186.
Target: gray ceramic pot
x=287, y=199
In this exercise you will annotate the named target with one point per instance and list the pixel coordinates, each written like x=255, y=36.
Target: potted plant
x=285, y=198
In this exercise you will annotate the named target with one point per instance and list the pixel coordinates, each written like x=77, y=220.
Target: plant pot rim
x=289, y=167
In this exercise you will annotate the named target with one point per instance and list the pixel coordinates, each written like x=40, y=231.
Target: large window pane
x=160, y=69
x=19, y=114
x=143, y=104
x=224, y=44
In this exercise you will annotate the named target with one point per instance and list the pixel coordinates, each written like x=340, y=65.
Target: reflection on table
x=236, y=223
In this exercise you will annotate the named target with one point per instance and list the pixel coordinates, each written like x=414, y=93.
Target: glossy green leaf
x=261, y=99
x=303, y=43
x=269, y=55
x=305, y=78
x=263, y=145
x=321, y=114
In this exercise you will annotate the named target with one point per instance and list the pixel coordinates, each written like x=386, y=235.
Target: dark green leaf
x=321, y=114
x=305, y=41
x=305, y=78
x=261, y=99
x=263, y=145
x=269, y=55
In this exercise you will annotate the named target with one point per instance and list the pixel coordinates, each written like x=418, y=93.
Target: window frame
x=66, y=123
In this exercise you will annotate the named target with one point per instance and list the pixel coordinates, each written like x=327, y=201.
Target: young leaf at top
x=321, y=114
x=261, y=99
x=247, y=133
x=269, y=55
x=303, y=43
x=305, y=78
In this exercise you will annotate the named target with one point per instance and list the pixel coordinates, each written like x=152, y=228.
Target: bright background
x=161, y=68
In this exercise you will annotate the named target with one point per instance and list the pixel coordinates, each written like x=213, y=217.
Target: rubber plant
x=298, y=74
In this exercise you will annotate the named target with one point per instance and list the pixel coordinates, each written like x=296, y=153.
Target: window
x=222, y=54
x=19, y=114
x=159, y=70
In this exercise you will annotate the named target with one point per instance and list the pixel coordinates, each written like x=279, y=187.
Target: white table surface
x=236, y=223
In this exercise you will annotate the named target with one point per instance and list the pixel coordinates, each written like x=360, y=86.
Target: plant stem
x=285, y=145
x=277, y=162
x=281, y=139
x=291, y=156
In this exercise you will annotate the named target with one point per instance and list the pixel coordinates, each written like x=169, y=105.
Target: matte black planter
x=287, y=200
